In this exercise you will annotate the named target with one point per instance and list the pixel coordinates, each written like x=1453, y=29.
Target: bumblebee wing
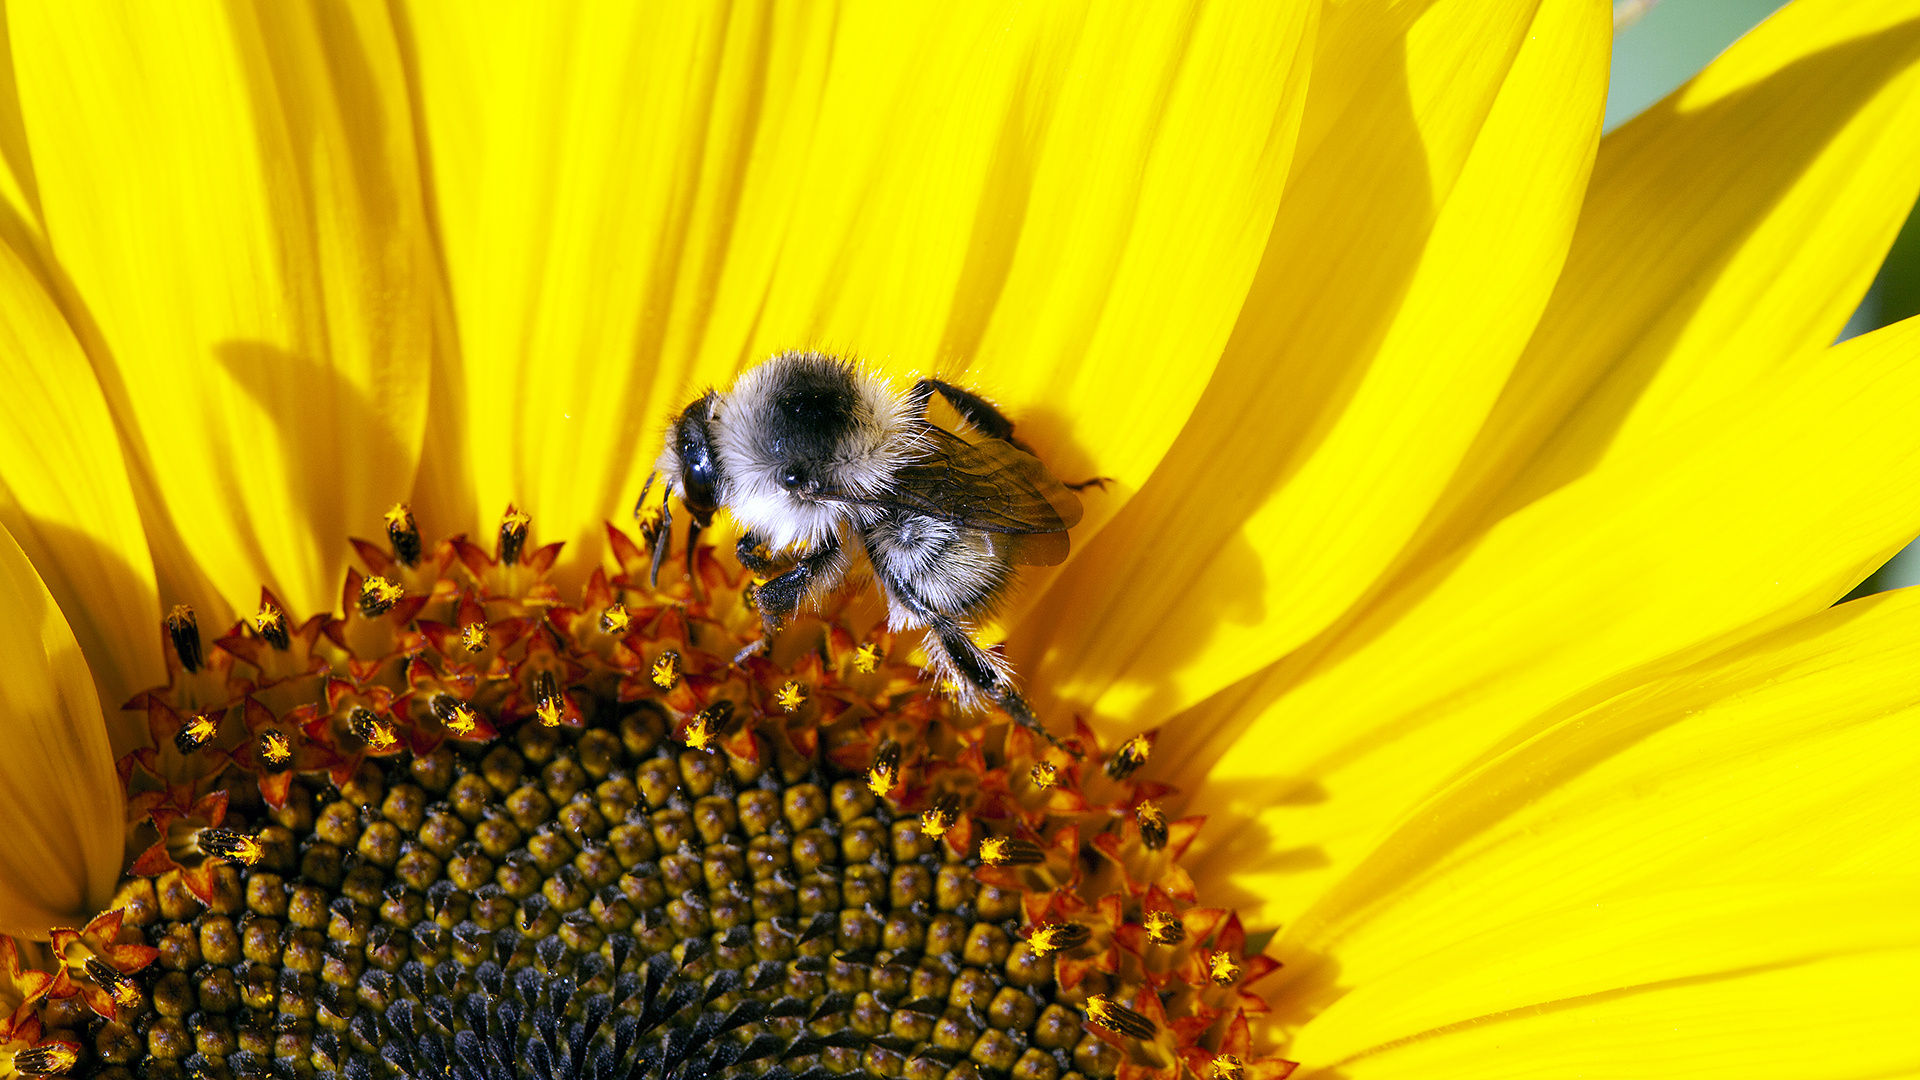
x=1039, y=549
x=990, y=485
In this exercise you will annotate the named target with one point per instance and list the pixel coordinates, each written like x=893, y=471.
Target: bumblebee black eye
x=792, y=479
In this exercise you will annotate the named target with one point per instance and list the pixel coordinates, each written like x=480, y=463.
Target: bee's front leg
x=779, y=598
x=753, y=554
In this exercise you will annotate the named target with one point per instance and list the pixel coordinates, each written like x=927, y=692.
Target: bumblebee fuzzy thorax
x=799, y=430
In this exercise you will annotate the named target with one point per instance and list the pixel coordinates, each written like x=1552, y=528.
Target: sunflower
x=1450, y=675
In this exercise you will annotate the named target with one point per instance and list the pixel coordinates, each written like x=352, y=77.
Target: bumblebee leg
x=753, y=554
x=779, y=599
x=974, y=664
x=976, y=410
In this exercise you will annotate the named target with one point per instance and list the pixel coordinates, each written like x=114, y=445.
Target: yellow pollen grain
x=935, y=822
x=1044, y=775
x=199, y=729
x=1163, y=928
x=181, y=617
x=474, y=637
x=699, y=733
x=1222, y=970
x=791, y=696
x=268, y=619
x=48, y=1058
x=515, y=518
x=1226, y=1067
x=615, y=620
x=461, y=720
x=993, y=850
x=400, y=516
x=666, y=670
x=548, y=712
x=377, y=594
x=881, y=780
x=380, y=736
x=866, y=659
x=274, y=747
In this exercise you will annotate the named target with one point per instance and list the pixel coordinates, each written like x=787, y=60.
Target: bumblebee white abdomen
x=932, y=568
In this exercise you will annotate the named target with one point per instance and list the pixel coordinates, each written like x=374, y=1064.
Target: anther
x=1114, y=1016
x=704, y=728
x=124, y=990
x=1222, y=970
x=184, y=629
x=1044, y=775
x=666, y=670
x=455, y=715
x=1127, y=758
x=884, y=775
x=1058, y=937
x=866, y=658
x=1010, y=851
x=1164, y=929
x=378, y=595
x=513, y=534
x=232, y=846
x=375, y=732
x=547, y=702
x=790, y=696
x=53, y=1057
x=1153, y=825
x=194, y=734
x=271, y=624
x=1227, y=1067
x=474, y=637
x=938, y=818
x=615, y=620
x=275, y=749
x=403, y=534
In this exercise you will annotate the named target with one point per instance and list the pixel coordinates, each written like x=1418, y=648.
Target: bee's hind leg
x=976, y=410
x=987, y=673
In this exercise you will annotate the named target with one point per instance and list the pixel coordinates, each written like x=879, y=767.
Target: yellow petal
x=236, y=200
x=1756, y=514
x=1755, y=980
x=1707, y=257
x=59, y=798
x=640, y=201
x=1411, y=255
x=64, y=492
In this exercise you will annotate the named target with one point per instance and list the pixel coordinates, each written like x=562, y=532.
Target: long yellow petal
x=1750, y=980
x=1060, y=204
x=64, y=492
x=1761, y=512
x=1411, y=255
x=60, y=800
x=235, y=196
x=1728, y=230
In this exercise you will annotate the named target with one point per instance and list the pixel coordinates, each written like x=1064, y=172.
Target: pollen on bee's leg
x=184, y=629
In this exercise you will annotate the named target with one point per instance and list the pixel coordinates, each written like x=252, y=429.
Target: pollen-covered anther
x=513, y=534
x=703, y=731
x=1163, y=928
x=1043, y=775
x=274, y=747
x=1226, y=1067
x=1153, y=825
x=474, y=637
x=52, y=1058
x=1057, y=937
x=1127, y=758
x=1114, y=1016
x=184, y=629
x=548, y=705
x=370, y=729
x=666, y=670
x=790, y=696
x=232, y=846
x=455, y=715
x=615, y=620
x=1010, y=851
x=271, y=624
x=378, y=595
x=403, y=534
x=1222, y=970
x=124, y=990
x=884, y=775
x=195, y=733
x=935, y=820
x=866, y=659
